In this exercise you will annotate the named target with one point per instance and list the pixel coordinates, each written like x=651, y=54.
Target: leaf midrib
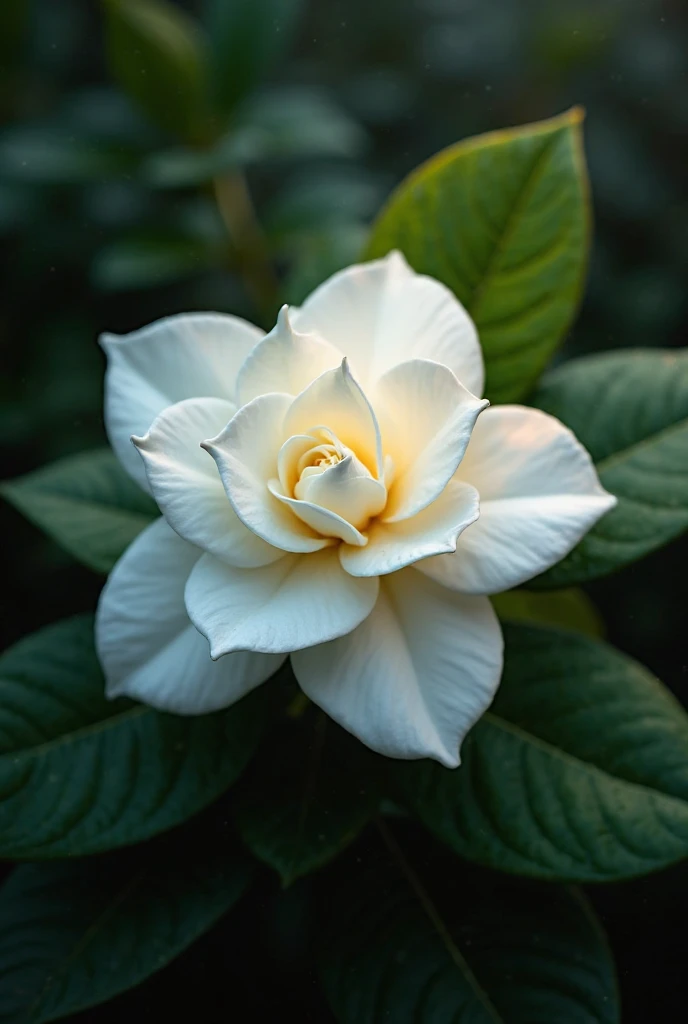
x=558, y=754
x=437, y=923
x=520, y=201
x=29, y=753
x=33, y=1011
x=617, y=457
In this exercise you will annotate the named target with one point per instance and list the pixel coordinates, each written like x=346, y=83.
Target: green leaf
x=247, y=38
x=571, y=609
x=76, y=934
x=308, y=797
x=86, y=503
x=503, y=220
x=480, y=949
x=579, y=770
x=630, y=410
x=80, y=774
x=156, y=52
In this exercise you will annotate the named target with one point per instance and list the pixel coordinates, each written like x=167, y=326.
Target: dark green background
x=410, y=77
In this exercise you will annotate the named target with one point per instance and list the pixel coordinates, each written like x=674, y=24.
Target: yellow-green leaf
x=503, y=220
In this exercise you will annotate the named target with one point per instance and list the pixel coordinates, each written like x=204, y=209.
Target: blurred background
x=108, y=220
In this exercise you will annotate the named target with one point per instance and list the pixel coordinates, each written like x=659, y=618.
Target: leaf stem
x=252, y=254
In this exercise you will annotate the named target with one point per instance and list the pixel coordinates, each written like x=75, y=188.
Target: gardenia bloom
x=336, y=490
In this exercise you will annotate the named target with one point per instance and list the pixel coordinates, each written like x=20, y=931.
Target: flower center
x=316, y=468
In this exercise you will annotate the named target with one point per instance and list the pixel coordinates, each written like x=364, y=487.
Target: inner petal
x=334, y=478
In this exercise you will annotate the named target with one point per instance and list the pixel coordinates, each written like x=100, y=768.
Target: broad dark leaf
x=75, y=934
x=579, y=771
x=80, y=774
x=86, y=503
x=414, y=941
x=630, y=410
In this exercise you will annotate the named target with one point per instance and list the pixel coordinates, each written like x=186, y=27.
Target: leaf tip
x=576, y=115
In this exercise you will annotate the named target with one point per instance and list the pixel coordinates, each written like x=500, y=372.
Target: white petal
x=383, y=313
x=347, y=489
x=246, y=454
x=298, y=601
x=193, y=355
x=415, y=676
x=186, y=484
x=539, y=494
x=426, y=418
x=336, y=401
x=285, y=360
x=320, y=519
x=288, y=457
x=436, y=529
x=147, y=646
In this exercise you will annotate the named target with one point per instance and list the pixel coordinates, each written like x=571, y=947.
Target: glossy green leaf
x=80, y=774
x=578, y=771
x=308, y=797
x=86, y=503
x=156, y=52
x=502, y=219
x=480, y=950
x=570, y=608
x=247, y=38
x=630, y=410
x=76, y=934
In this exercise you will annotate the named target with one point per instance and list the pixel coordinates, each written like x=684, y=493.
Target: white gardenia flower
x=338, y=491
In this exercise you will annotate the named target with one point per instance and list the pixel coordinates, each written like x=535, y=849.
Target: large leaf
x=75, y=934
x=630, y=410
x=247, y=38
x=578, y=771
x=449, y=944
x=80, y=774
x=86, y=503
x=307, y=797
x=156, y=53
x=502, y=219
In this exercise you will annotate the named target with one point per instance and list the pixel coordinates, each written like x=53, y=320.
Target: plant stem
x=252, y=255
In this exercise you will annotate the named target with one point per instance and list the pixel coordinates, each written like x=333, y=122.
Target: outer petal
x=290, y=604
x=415, y=676
x=190, y=356
x=426, y=419
x=186, y=484
x=285, y=360
x=246, y=454
x=147, y=646
x=436, y=529
x=336, y=401
x=539, y=494
x=383, y=313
